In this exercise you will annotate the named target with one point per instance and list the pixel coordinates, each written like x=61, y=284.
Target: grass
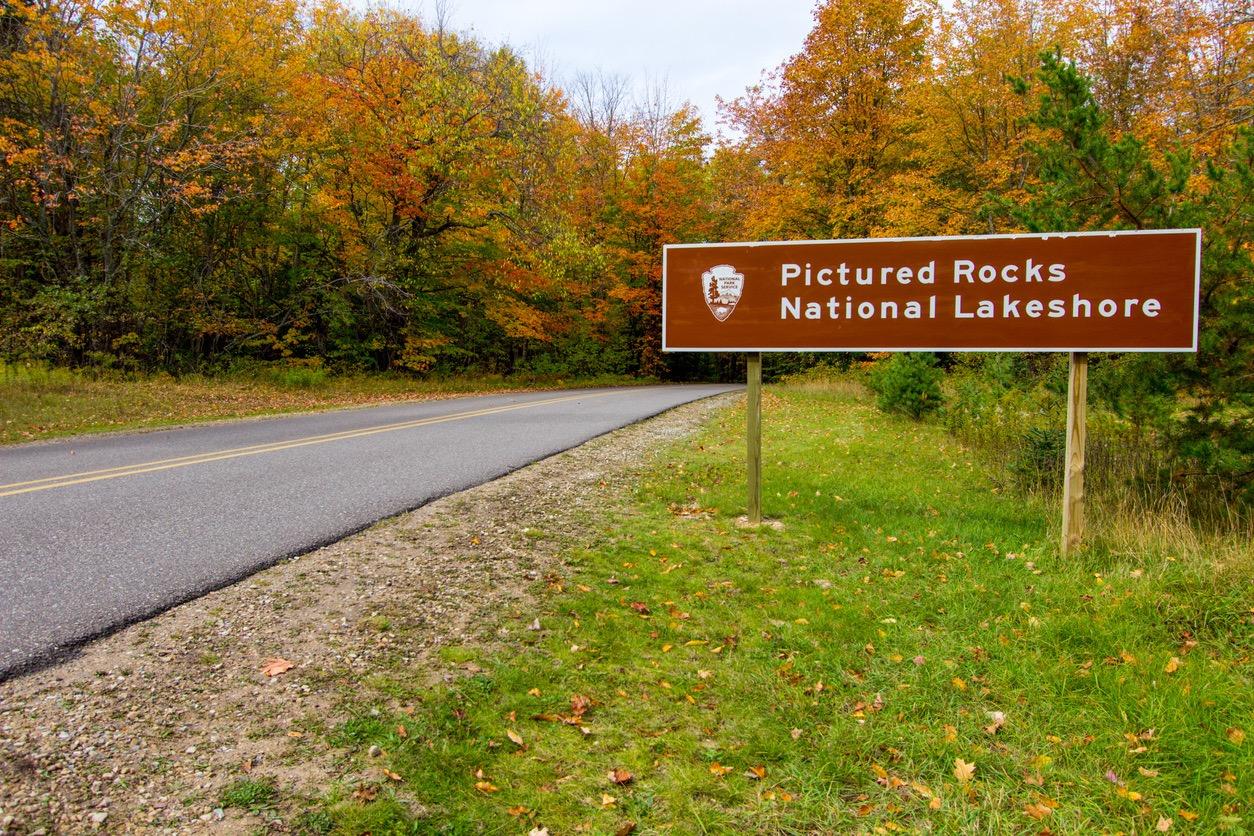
x=38, y=402
x=249, y=794
x=842, y=674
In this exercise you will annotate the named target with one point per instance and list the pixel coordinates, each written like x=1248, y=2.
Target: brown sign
x=1086, y=291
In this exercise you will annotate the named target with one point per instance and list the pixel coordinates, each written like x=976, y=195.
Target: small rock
x=374, y=751
x=219, y=814
x=99, y=818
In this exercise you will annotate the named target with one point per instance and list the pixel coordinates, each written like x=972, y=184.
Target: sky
x=699, y=49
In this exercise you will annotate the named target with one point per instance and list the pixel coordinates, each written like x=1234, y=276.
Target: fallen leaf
x=919, y=660
x=795, y=734
x=366, y=793
x=1173, y=665
x=1187, y=815
x=719, y=770
x=538, y=831
x=999, y=720
x=1037, y=811
x=640, y=607
x=276, y=666
x=755, y=773
x=1164, y=824
x=515, y=737
x=579, y=704
x=401, y=731
x=1148, y=773
x=1236, y=735
x=958, y=683
x=518, y=811
x=627, y=829
x=951, y=733
x=486, y=786
x=963, y=771
x=534, y=692
x=392, y=775
x=621, y=776
x=608, y=801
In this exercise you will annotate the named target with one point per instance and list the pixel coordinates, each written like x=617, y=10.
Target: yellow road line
x=84, y=477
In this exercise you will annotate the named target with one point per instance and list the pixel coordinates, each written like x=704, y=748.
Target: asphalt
x=100, y=532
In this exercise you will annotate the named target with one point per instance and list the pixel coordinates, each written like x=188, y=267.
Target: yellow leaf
x=1187, y=815
x=486, y=786
x=607, y=800
x=1173, y=665
x=958, y=683
x=534, y=692
x=514, y=736
x=666, y=648
x=951, y=733
x=719, y=770
x=1148, y=773
x=935, y=803
x=963, y=771
x=1236, y=735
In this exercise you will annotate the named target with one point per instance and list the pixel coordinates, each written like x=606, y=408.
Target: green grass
x=853, y=658
x=38, y=402
x=249, y=794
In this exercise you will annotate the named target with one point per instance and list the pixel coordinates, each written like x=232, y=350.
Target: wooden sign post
x=1077, y=292
x=1073, y=478
x=754, y=446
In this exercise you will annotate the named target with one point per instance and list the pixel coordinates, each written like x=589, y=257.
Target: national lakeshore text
x=838, y=294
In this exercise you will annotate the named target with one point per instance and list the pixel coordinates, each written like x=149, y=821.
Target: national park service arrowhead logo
x=723, y=287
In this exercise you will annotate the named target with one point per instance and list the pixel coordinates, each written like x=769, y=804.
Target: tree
x=1088, y=179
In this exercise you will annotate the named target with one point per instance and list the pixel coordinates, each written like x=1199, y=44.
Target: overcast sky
x=699, y=48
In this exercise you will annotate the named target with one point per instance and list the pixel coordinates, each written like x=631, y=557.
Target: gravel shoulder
x=143, y=731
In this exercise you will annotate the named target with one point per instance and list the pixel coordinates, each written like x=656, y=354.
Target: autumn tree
x=832, y=124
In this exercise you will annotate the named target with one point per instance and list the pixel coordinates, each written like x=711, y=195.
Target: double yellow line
x=67, y=480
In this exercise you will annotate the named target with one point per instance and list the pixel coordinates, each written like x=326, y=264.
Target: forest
x=191, y=184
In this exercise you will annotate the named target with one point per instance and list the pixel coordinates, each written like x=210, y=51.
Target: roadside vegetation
x=37, y=402
x=904, y=650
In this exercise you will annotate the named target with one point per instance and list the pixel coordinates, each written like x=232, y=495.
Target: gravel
x=143, y=731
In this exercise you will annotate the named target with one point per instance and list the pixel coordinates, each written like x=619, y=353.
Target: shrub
x=908, y=384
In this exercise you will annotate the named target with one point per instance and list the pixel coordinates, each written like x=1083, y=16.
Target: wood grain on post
x=754, y=438
x=1073, y=480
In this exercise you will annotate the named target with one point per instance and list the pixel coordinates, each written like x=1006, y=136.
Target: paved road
x=100, y=532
